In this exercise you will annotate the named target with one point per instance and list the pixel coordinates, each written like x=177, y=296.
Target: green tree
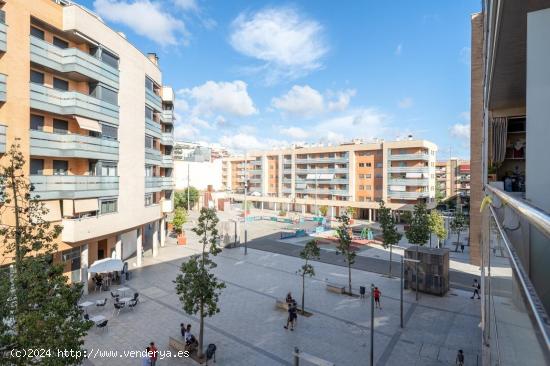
x=389, y=230
x=180, y=218
x=344, y=247
x=437, y=226
x=38, y=308
x=419, y=230
x=350, y=212
x=457, y=225
x=439, y=194
x=406, y=217
x=323, y=210
x=197, y=287
x=180, y=198
x=311, y=251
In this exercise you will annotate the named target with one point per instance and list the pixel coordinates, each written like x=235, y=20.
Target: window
x=149, y=170
x=108, y=206
x=148, y=113
x=38, y=33
x=37, y=167
x=72, y=256
x=361, y=188
x=37, y=77
x=60, y=126
x=368, y=176
x=148, y=199
x=378, y=175
x=361, y=176
x=149, y=142
x=379, y=165
x=109, y=59
x=148, y=84
x=108, y=169
x=109, y=132
x=361, y=165
x=368, y=165
x=92, y=166
x=60, y=167
x=37, y=122
x=368, y=188
x=105, y=94
x=60, y=84
x=60, y=43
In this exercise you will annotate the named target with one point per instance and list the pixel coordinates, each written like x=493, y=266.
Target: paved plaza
x=249, y=329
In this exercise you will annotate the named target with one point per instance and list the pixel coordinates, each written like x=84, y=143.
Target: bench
x=280, y=304
x=339, y=289
x=180, y=345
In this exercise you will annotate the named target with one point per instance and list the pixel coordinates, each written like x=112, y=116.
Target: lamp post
x=245, y=203
x=372, y=324
x=402, y=283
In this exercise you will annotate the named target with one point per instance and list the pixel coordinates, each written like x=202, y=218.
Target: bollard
x=296, y=356
x=372, y=324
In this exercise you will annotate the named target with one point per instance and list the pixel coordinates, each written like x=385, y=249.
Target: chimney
x=153, y=57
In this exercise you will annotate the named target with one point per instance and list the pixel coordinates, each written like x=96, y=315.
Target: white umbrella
x=106, y=265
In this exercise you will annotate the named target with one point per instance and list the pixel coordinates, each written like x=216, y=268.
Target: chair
x=118, y=307
x=101, y=303
x=132, y=303
x=103, y=324
x=136, y=295
x=115, y=296
x=86, y=317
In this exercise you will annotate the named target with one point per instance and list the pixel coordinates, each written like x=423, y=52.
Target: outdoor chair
x=132, y=304
x=118, y=307
x=103, y=324
x=86, y=317
x=114, y=296
x=101, y=303
x=136, y=295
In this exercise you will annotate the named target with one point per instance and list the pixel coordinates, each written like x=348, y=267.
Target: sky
x=262, y=74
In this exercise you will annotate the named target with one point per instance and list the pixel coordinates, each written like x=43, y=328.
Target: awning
x=54, y=211
x=86, y=205
x=68, y=209
x=106, y=265
x=88, y=124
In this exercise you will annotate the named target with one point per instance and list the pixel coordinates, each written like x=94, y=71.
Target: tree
x=406, y=217
x=323, y=210
x=389, y=230
x=344, y=244
x=437, y=226
x=180, y=218
x=419, y=229
x=350, y=212
x=38, y=308
x=197, y=287
x=439, y=194
x=311, y=251
x=457, y=225
x=180, y=198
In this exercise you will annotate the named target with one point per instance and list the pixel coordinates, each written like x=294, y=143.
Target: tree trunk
x=349, y=276
x=390, y=258
x=430, y=240
x=201, y=332
x=457, y=241
x=303, y=291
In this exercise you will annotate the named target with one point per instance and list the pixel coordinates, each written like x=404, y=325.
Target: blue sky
x=263, y=74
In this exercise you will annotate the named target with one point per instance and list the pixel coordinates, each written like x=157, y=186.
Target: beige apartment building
x=357, y=175
x=95, y=125
x=453, y=177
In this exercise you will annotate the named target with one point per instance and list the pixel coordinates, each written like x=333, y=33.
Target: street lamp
x=372, y=324
x=245, y=203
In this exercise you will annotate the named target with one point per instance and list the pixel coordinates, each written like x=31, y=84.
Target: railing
x=3, y=31
x=167, y=138
x=152, y=128
x=407, y=195
x=3, y=78
x=167, y=161
x=321, y=160
x=2, y=139
x=420, y=156
x=152, y=156
x=516, y=237
x=72, y=145
x=155, y=184
x=152, y=100
x=409, y=182
x=322, y=171
x=408, y=169
x=74, y=186
x=167, y=116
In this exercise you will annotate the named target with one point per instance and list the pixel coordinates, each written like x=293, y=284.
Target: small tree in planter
x=457, y=225
x=282, y=213
x=389, y=230
x=437, y=226
x=197, y=287
x=180, y=218
x=311, y=251
x=344, y=244
x=323, y=210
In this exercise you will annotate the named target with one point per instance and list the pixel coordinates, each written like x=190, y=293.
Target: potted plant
x=323, y=210
x=282, y=213
x=180, y=217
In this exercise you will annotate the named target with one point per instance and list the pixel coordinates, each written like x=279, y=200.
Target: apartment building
x=358, y=175
x=453, y=178
x=95, y=126
x=510, y=237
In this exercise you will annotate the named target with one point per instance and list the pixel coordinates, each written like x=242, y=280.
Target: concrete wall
x=200, y=174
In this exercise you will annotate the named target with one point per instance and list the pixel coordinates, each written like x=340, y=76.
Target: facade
x=453, y=178
x=196, y=152
x=73, y=95
x=198, y=165
x=303, y=179
x=510, y=236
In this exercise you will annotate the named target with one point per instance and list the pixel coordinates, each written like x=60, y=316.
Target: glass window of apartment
x=37, y=122
x=109, y=58
x=60, y=84
x=108, y=95
x=148, y=113
x=38, y=33
x=378, y=175
x=361, y=176
x=37, y=77
x=368, y=188
x=60, y=167
x=109, y=132
x=149, y=169
x=37, y=167
x=108, y=206
x=60, y=43
x=361, y=165
x=379, y=165
x=72, y=256
x=368, y=176
x=149, y=142
x=108, y=169
x=368, y=165
x=361, y=187
x=92, y=167
x=148, y=83
x=148, y=199
x=60, y=126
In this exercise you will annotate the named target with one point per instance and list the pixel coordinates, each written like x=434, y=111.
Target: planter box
x=182, y=239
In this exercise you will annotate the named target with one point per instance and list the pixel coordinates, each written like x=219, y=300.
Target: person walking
x=154, y=353
x=460, y=358
x=146, y=360
x=377, y=293
x=476, y=287
x=292, y=315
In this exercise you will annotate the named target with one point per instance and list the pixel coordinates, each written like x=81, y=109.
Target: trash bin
x=362, y=290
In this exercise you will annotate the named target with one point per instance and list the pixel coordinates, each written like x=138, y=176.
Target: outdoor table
x=125, y=299
x=98, y=319
x=123, y=290
x=85, y=305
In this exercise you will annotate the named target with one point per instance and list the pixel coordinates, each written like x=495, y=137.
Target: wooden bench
x=339, y=289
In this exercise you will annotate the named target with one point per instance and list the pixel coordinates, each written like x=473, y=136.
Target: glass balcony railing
x=407, y=195
x=157, y=184
x=515, y=242
x=3, y=87
x=2, y=139
x=167, y=116
x=152, y=128
x=153, y=100
x=420, y=156
x=73, y=146
x=74, y=186
x=409, y=182
x=167, y=138
x=152, y=156
x=3, y=31
x=408, y=169
x=67, y=60
x=167, y=161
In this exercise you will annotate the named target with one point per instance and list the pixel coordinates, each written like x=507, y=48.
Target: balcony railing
x=73, y=186
x=167, y=116
x=167, y=138
x=67, y=60
x=152, y=128
x=167, y=161
x=2, y=139
x=409, y=182
x=72, y=103
x=321, y=160
x=152, y=156
x=420, y=156
x=3, y=31
x=3, y=78
x=516, y=236
x=157, y=184
x=408, y=169
x=73, y=146
x=152, y=100
x=322, y=171
x=407, y=195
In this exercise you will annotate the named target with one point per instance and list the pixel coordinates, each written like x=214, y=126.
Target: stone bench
x=339, y=289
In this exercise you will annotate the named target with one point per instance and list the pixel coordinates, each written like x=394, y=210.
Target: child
x=377, y=295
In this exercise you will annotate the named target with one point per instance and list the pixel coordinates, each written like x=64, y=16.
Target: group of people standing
x=150, y=358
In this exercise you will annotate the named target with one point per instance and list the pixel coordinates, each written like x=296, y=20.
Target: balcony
x=167, y=116
x=152, y=156
x=153, y=184
x=167, y=138
x=73, y=186
x=407, y=195
x=3, y=32
x=409, y=182
x=2, y=139
x=72, y=146
x=72, y=60
x=167, y=161
x=421, y=156
x=152, y=128
x=322, y=171
x=152, y=100
x=255, y=180
x=3, y=87
x=321, y=161
x=72, y=103
x=408, y=169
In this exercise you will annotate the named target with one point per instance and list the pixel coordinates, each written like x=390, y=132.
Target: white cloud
x=288, y=44
x=398, y=49
x=187, y=5
x=465, y=116
x=146, y=18
x=242, y=142
x=461, y=131
x=365, y=123
x=220, y=97
x=296, y=133
x=406, y=102
x=300, y=101
x=342, y=100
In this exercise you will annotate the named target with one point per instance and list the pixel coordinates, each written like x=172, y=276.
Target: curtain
x=498, y=129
